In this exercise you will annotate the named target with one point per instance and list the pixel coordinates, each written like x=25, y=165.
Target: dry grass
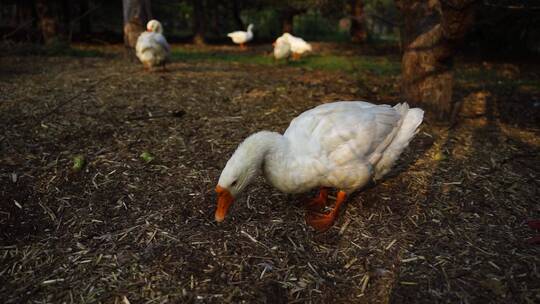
x=445, y=226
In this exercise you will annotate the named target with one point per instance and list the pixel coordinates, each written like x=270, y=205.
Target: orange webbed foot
x=321, y=221
x=318, y=203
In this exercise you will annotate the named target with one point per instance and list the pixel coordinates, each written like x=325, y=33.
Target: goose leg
x=147, y=67
x=242, y=46
x=322, y=222
x=318, y=203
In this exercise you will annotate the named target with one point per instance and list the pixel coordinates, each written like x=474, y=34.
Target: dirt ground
x=447, y=224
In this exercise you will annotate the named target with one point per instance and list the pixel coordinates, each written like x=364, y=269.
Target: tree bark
x=48, y=24
x=66, y=15
x=213, y=16
x=430, y=33
x=358, y=22
x=236, y=15
x=25, y=15
x=85, y=25
x=24, y=11
x=136, y=14
x=287, y=20
x=199, y=22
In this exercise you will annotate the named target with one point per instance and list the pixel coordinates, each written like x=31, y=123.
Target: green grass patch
x=381, y=66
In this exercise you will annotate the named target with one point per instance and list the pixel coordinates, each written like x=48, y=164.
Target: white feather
x=298, y=45
x=152, y=48
x=240, y=37
x=282, y=48
x=341, y=145
x=409, y=128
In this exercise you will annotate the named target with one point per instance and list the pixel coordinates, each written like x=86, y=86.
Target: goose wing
x=344, y=131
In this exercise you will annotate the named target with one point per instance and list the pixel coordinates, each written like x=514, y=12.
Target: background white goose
x=340, y=145
x=152, y=48
x=282, y=48
x=241, y=37
x=298, y=45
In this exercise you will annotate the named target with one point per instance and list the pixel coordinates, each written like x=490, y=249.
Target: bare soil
x=447, y=225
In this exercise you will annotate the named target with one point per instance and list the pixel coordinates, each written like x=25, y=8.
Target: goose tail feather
x=407, y=130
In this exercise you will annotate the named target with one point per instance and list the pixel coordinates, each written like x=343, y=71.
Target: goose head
x=243, y=166
x=237, y=174
x=154, y=26
x=285, y=37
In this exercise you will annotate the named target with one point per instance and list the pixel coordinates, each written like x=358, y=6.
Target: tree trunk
x=85, y=23
x=287, y=20
x=26, y=15
x=66, y=15
x=358, y=22
x=24, y=12
x=213, y=17
x=199, y=22
x=236, y=15
x=429, y=35
x=47, y=22
x=136, y=14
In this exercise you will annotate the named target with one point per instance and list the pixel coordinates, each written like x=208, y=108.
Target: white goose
x=340, y=145
x=282, y=48
x=241, y=37
x=152, y=48
x=298, y=45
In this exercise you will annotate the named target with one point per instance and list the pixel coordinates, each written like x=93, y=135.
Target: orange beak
x=225, y=200
x=273, y=44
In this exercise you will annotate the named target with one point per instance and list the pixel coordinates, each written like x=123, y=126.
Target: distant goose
x=152, y=48
x=298, y=45
x=241, y=37
x=282, y=48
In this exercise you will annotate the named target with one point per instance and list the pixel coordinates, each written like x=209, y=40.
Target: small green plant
x=147, y=156
x=78, y=163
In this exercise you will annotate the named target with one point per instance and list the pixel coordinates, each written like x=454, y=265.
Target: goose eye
x=234, y=183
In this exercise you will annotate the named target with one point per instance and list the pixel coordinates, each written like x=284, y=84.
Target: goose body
x=152, y=48
x=298, y=45
x=340, y=145
x=242, y=37
x=282, y=48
